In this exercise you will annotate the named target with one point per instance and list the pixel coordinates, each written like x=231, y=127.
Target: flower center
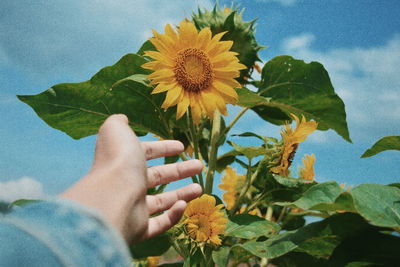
x=193, y=70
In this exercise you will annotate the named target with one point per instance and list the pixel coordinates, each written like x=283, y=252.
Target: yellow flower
x=307, y=172
x=195, y=69
x=232, y=183
x=204, y=221
x=153, y=261
x=291, y=139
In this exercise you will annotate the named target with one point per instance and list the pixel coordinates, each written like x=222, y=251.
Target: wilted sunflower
x=307, y=172
x=232, y=183
x=204, y=221
x=291, y=139
x=195, y=69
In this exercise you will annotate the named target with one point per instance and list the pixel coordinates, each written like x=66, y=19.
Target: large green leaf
x=301, y=88
x=132, y=96
x=385, y=143
x=379, y=204
x=312, y=238
x=221, y=256
x=299, y=259
x=79, y=109
x=370, y=248
x=155, y=246
x=249, y=226
x=319, y=194
x=250, y=99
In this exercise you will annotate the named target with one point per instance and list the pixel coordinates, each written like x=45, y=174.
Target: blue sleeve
x=59, y=233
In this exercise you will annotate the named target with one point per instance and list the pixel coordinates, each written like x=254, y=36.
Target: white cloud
x=282, y=2
x=24, y=187
x=367, y=79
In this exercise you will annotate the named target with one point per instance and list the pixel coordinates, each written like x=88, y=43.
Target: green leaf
x=292, y=182
x=155, y=246
x=249, y=226
x=221, y=256
x=299, y=259
x=249, y=134
x=146, y=46
x=379, y=204
x=21, y=202
x=132, y=97
x=385, y=143
x=226, y=159
x=331, y=230
x=248, y=151
x=249, y=99
x=300, y=88
x=319, y=194
x=78, y=109
x=370, y=248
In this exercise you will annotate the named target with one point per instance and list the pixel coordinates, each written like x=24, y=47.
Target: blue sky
x=47, y=42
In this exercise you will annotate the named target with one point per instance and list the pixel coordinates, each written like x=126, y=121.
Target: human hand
x=117, y=183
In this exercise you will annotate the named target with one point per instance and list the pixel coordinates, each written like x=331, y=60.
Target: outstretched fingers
x=171, y=172
x=164, y=201
x=164, y=148
x=161, y=223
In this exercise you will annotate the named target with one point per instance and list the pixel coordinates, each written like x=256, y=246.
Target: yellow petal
x=203, y=38
x=182, y=106
x=162, y=87
x=172, y=97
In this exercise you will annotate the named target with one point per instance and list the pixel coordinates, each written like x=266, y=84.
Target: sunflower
x=204, y=221
x=232, y=183
x=291, y=139
x=153, y=261
x=307, y=172
x=195, y=69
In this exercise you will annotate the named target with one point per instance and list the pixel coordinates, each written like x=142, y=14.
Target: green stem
x=195, y=142
x=270, y=211
x=240, y=114
x=282, y=214
x=249, y=181
x=212, y=159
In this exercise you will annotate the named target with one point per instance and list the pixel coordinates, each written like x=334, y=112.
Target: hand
x=117, y=183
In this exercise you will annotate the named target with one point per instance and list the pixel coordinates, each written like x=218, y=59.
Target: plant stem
x=250, y=178
x=212, y=159
x=270, y=211
x=195, y=142
x=240, y=114
x=282, y=214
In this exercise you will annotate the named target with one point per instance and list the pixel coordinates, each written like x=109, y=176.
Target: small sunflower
x=232, y=183
x=195, y=69
x=204, y=221
x=153, y=261
x=291, y=139
x=307, y=172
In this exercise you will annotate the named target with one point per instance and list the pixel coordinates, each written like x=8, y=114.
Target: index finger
x=164, y=148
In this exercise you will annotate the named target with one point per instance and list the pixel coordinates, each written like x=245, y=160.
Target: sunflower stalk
x=233, y=122
x=250, y=178
x=215, y=132
x=195, y=142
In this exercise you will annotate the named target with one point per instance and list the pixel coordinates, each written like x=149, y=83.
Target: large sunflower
x=204, y=221
x=291, y=139
x=195, y=69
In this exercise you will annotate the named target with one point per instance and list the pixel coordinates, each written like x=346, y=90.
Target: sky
x=43, y=43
